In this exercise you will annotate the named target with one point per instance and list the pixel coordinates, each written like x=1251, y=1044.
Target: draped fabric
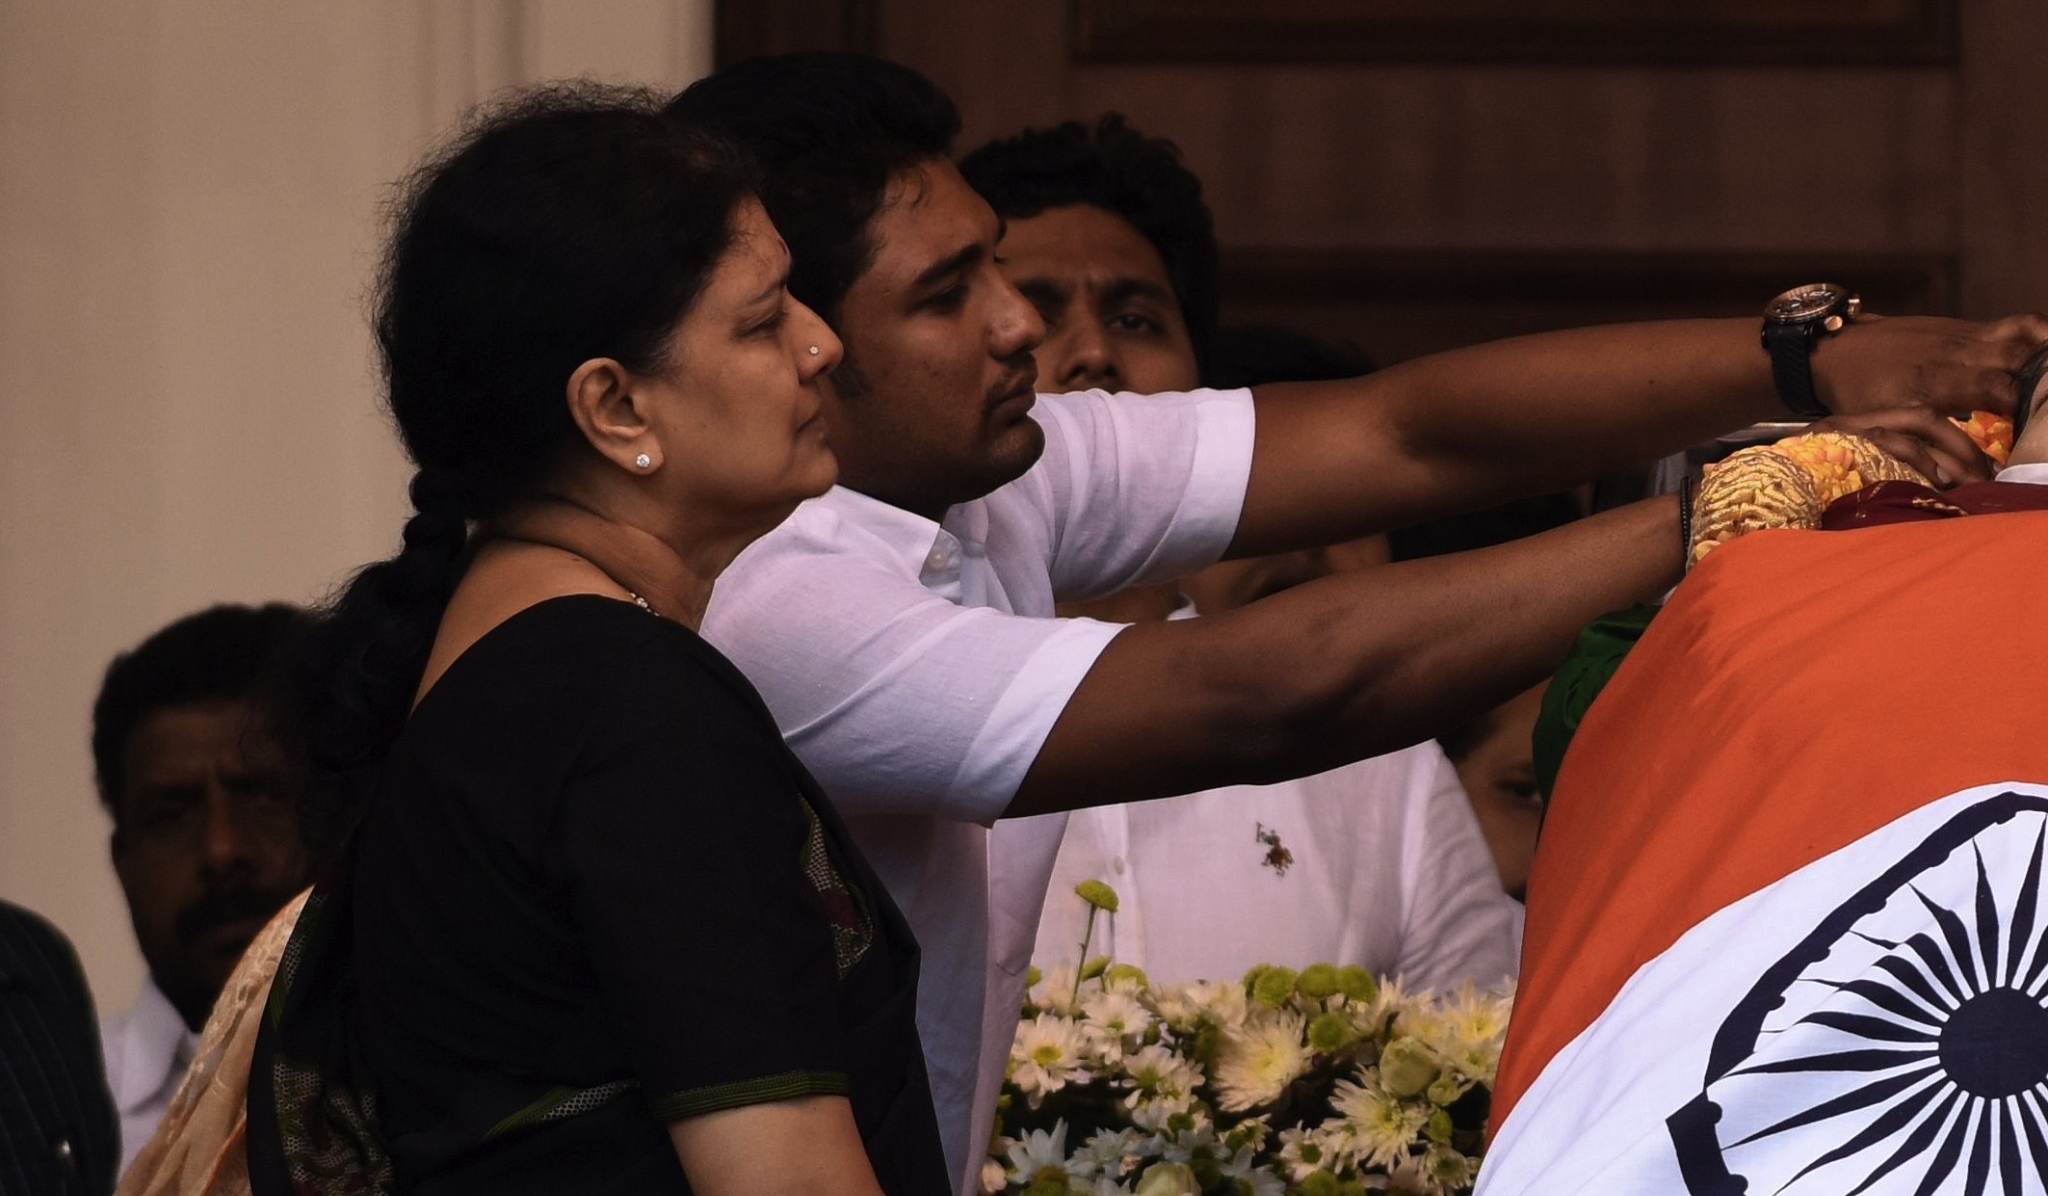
x=200, y=1148
x=1785, y=924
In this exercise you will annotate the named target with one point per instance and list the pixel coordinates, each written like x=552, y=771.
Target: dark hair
x=1120, y=170
x=570, y=223
x=1255, y=354
x=827, y=131
x=224, y=653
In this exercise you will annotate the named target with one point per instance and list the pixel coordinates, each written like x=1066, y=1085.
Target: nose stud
x=814, y=350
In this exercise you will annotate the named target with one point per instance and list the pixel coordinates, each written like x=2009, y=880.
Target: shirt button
x=938, y=559
x=64, y=1151
x=1117, y=865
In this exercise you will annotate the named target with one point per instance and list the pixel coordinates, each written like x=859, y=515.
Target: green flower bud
x=1445, y=1090
x=1208, y=1172
x=1317, y=981
x=1095, y=967
x=1351, y=1187
x=1329, y=1033
x=1181, y=1122
x=1118, y=973
x=1168, y=1179
x=1311, y=1153
x=1097, y=894
x=1438, y=1128
x=1273, y=987
x=1252, y=974
x=1317, y=1183
x=1357, y=984
x=1204, y=1047
x=1407, y=1067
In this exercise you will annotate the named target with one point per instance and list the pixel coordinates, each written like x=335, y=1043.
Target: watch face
x=1806, y=303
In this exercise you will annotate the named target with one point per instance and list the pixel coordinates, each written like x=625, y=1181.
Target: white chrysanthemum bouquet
x=1322, y=1082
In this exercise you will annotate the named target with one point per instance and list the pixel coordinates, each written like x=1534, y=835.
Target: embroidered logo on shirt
x=1278, y=858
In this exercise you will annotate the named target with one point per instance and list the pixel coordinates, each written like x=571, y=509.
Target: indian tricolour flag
x=1786, y=926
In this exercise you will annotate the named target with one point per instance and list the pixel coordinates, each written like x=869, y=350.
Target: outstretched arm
x=1474, y=427
x=1341, y=668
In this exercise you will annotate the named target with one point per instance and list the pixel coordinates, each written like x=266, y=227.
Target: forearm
x=1471, y=428
x=1558, y=408
x=1343, y=668
x=1474, y=427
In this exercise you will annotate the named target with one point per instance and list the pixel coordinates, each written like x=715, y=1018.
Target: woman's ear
x=606, y=401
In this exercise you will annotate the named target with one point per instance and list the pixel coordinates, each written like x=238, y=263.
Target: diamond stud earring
x=643, y=460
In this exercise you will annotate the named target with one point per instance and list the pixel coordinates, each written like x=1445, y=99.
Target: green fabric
x=786, y=1086
x=1597, y=652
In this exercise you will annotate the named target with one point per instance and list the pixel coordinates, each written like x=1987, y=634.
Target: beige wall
x=188, y=196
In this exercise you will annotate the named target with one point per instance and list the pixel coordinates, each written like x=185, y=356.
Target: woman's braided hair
x=570, y=223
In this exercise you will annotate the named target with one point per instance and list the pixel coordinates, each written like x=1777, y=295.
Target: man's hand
x=1922, y=439
x=1953, y=366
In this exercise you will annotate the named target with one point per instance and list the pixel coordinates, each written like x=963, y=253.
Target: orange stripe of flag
x=1801, y=690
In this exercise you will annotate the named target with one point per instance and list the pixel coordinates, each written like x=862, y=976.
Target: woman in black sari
x=595, y=929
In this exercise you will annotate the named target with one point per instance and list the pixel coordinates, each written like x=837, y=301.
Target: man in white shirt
x=205, y=800
x=899, y=626
x=1378, y=863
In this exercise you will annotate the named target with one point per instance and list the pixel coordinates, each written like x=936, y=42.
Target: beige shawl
x=198, y=1150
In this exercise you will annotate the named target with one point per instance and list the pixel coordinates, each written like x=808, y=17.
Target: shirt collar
x=155, y=1044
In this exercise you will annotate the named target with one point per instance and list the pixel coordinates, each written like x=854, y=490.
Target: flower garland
x=1323, y=1082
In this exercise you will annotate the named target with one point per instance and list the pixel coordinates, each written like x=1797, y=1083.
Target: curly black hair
x=225, y=653
x=1116, y=168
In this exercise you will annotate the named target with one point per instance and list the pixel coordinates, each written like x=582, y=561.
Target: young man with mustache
x=204, y=790
x=901, y=627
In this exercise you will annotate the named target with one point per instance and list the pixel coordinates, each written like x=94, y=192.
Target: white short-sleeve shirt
x=916, y=669
x=1379, y=863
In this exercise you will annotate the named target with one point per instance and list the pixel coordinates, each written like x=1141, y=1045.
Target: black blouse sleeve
x=684, y=838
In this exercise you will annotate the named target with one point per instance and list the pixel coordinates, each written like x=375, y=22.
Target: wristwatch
x=1793, y=323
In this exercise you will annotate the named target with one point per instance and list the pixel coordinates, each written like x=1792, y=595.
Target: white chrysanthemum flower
x=1449, y=1168
x=1045, y=1056
x=1176, y=1006
x=1154, y=1072
x=1303, y=1151
x=1258, y=1060
x=1180, y=1146
x=1055, y=993
x=1111, y=1154
x=1222, y=1002
x=1381, y=1125
x=1466, y=1029
x=1113, y=1021
x=1261, y=1181
x=1039, y=1154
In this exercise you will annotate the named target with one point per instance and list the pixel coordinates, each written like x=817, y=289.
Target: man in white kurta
x=1378, y=863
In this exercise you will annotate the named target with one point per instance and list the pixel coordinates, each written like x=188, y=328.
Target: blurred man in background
x=197, y=769
x=1378, y=863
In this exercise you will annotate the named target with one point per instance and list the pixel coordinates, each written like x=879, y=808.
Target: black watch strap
x=1791, y=349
